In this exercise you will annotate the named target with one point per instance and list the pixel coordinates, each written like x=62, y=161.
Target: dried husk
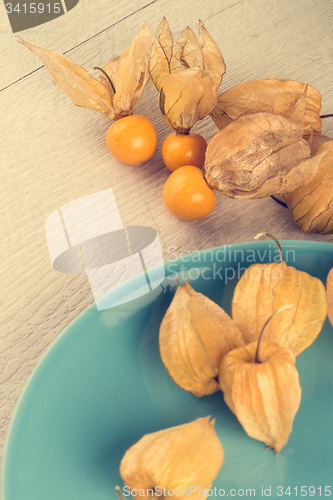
x=257, y=155
x=264, y=288
x=187, y=74
x=329, y=292
x=185, y=98
x=280, y=96
x=264, y=395
x=194, y=336
x=315, y=140
x=114, y=101
x=312, y=205
x=82, y=89
x=132, y=72
x=161, y=53
x=175, y=458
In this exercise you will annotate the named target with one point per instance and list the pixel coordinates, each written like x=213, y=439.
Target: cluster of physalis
x=270, y=139
x=277, y=312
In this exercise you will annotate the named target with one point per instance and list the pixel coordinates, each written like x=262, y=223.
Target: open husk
x=312, y=205
x=187, y=73
x=175, y=459
x=264, y=395
x=128, y=75
x=194, y=336
x=278, y=96
x=258, y=155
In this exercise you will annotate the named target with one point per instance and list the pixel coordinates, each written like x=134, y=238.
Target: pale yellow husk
x=175, y=458
x=194, y=336
x=264, y=395
x=263, y=289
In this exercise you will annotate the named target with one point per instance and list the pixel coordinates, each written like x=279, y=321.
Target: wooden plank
x=72, y=29
x=112, y=24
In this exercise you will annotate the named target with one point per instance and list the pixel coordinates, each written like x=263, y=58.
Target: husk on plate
x=264, y=394
x=263, y=289
x=175, y=459
x=329, y=292
x=194, y=336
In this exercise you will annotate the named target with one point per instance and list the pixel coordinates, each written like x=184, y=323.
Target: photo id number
x=33, y=8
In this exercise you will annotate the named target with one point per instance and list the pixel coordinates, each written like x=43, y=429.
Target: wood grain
x=52, y=152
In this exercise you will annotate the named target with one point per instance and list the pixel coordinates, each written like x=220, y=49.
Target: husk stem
x=97, y=68
x=274, y=239
x=282, y=308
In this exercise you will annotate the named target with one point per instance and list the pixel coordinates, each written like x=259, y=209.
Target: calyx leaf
x=128, y=74
x=264, y=288
x=329, y=291
x=264, y=396
x=132, y=72
x=185, y=98
x=257, y=155
x=172, y=458
x=289, y=98
x=186, y=73
x=195, y=334
x=82, y=89
x=312, y=205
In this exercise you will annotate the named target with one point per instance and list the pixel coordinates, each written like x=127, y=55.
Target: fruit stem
x=326, y=116
x=282, y=308
x=274, y=239
x=97, y=68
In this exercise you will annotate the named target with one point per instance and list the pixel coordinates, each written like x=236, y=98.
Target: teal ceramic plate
x=102, y=386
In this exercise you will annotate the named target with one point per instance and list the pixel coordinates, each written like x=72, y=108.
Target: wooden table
x=53, y=153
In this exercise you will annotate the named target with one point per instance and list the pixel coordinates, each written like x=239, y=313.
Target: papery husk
x=280, y=96
x=114, y=101
x=132, y=72
x=194, y=336
x=161, y=53
x=315, y=140
x=82, y=89
x=187, y=74
x=185, y=98
x=329, y=292
x=312, y=205
x=264, y=288
x=264, y=395
x=258, y=155
x=175, y=458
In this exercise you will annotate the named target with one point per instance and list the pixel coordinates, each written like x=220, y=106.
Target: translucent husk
x=264, y=288
x=187, y=73
x=118, y=91
x=312, y=205
x=258, y=155
x=329, y=292
x=194, y=336
x=264, y=395
x=175, y=458
x=288, y=98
